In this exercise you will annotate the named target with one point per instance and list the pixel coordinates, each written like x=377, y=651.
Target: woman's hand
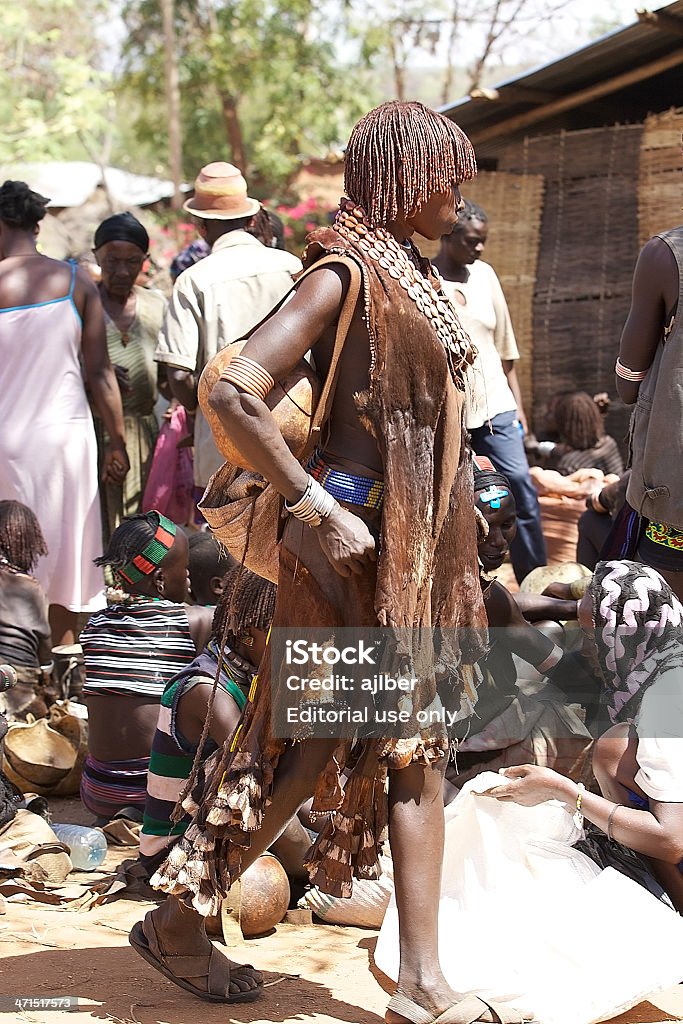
x=115, y=463
x=528, y=785
x=346, y=541
x=123, y=379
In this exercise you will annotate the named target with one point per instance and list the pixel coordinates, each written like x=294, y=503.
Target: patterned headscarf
x=638, y=632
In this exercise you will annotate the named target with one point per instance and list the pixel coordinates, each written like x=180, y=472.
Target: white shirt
x=215, y=302
x=659, y=725
x=484, y=315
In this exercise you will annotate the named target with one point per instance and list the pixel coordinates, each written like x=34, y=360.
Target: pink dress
x=48, y=452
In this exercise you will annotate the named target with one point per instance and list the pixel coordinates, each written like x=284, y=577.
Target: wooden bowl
x=265, y=896
x=292, y=402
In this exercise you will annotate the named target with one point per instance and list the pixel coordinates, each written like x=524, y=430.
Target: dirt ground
x=317, y=973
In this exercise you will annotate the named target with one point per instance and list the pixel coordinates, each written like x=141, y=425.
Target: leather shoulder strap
x=324, y=405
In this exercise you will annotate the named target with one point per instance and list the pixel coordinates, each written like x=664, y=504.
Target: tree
x=261, y=83
x=454, y=34
x=55, y=99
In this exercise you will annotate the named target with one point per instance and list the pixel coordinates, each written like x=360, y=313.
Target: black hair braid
x=128, y=540
x=21, y=538
x=20, y=207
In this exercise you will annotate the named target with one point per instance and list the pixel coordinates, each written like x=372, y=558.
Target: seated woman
x=192, y=715
x=582, y=462
x=521, y=857
x=582, y=442
x=636, y=624
x=131, y=650
x=508, y=726
x=24, y=627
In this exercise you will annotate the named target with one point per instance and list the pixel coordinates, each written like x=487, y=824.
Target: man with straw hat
x=219, y=299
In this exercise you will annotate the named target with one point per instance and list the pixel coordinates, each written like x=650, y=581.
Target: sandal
x=217, y=972
x=468, y=1011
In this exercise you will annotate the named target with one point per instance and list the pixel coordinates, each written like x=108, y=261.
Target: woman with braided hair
x=380, y=533
x=24, y=627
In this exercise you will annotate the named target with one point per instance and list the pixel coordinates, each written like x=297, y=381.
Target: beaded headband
x=492, y=495
x=153, y=553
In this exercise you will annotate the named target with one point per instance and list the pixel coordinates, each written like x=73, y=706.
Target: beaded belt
x=664, y=535
x=355, y=490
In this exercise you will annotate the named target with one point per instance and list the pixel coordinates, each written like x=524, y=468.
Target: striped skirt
x=108, y=786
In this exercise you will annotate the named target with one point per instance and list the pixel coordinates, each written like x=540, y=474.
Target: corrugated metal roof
x=618, y=53
x=70, y=183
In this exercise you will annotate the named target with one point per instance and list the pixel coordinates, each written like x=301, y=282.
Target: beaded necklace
x=10, y=567
x=402, y=263
x=235, y=667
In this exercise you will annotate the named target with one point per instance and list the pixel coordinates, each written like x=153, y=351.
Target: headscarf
x=494, y=486
x=638, y=632
x=122, y=227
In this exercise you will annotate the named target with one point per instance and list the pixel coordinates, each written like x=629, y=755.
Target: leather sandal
x=143, y=938
x=468, y=1010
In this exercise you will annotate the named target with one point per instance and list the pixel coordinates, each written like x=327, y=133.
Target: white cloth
x=485, y=316
x=215, y=302
x=525, y=919
x=48, y=451
x=659, y=725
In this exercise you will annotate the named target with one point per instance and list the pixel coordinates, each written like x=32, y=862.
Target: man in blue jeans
x=494, y=412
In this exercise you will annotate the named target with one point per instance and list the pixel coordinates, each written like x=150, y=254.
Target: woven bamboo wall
x=660, y=182
x=514, y=206
x=588, y=247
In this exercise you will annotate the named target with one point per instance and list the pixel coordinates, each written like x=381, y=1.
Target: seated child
x=131, y=649
x=240, y=625
x=208, y=565
x=24, y=628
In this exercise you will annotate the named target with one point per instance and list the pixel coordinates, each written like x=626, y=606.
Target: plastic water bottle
x=88, y=846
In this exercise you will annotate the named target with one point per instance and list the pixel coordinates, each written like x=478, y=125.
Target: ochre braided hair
x=399, y=155
x=247, y=602
x=21, y=539
x=578, y=420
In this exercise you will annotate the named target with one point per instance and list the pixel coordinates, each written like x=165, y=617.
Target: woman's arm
x=200, y=620
x=277, y=346
x=655, y=277
x=656, y=833
x=101, y=379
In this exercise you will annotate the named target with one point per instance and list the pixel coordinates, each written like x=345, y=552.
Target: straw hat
x=220, y=193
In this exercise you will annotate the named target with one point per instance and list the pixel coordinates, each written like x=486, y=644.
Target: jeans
x=505, y=448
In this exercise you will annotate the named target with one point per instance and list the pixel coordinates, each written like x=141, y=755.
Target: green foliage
x=54, y=102
x=272, y=66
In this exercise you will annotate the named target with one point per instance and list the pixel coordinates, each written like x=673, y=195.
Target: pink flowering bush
x=299, y=220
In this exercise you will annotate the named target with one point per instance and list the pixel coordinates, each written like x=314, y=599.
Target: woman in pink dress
x=51, y=325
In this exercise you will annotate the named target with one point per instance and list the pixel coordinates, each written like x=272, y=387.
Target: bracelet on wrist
x=314, y=505
x=610, y=820
x=551, y=661
x=578, y=815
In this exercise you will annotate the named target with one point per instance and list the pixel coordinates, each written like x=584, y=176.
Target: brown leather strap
x=322, y=409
